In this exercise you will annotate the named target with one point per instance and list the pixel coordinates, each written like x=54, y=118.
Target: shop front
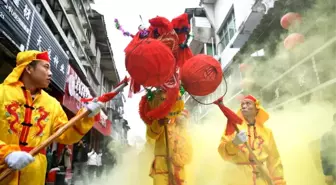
x=22, y=28
x=75, y=89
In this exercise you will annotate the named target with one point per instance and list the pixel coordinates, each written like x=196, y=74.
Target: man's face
x=40, y=74
x=248, y=108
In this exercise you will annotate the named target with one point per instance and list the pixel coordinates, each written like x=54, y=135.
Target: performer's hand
x=94, y=107
x=240, y=138
x=18, y=160
x=163, y=121
x=329, y=180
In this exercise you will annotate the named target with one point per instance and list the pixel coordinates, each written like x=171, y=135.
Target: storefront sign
x=23, y=24
x=75, y=90
x=107, y=130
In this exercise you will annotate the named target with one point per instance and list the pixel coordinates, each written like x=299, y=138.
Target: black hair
x=33, y=63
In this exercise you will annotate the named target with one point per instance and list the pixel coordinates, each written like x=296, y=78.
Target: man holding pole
x=28, y=116
x=261, y=141
x=171, y=171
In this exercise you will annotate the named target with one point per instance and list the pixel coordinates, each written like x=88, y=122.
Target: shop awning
x=105, y=130
x=104, y=126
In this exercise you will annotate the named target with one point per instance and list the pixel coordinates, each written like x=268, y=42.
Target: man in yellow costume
x=260, y=139
x=180, y=149
x=28, y=116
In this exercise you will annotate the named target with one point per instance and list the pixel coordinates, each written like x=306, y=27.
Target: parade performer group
x=154, y=59
x=29, y=115
x=159, y=60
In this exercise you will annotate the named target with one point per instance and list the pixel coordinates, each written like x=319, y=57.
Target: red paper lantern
x=293, y=40
x=243, y=67
x=149, y=62
x=289, y=19
x=246, y=83
x=201, y=75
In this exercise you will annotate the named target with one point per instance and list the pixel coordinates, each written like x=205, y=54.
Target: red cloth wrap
x=183, y=53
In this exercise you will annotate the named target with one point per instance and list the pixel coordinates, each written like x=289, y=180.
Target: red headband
x=43, y=56
x=250, y=97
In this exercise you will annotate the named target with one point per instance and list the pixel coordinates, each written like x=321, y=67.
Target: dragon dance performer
x=29, y=115
x=179, y=146
x=259, y=138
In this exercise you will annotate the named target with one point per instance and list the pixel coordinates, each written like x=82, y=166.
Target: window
x=228, y=30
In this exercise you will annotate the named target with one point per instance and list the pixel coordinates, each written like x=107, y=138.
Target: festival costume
x=261, y=140
x=25, y=122
x=180, y=152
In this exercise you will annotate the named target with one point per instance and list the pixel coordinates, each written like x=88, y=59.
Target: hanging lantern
x=243, y=67
x=293, y=40
x=246, y=83
x=149, y=62
x=290, y=19
x=201, y=75
x=240, y=97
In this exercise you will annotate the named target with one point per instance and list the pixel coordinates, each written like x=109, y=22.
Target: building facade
x=220, y=28
x=239, y=25
x=82, y=59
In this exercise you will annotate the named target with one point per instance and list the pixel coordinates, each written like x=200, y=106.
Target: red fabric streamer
x=107, y=96
x=232, y=118
x=150, y=63
x=201, y=75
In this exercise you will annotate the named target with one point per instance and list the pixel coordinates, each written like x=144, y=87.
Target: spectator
x=80, y=159
x=65, y=160
x=92, y=163
x=328, y=154
x=100, y=168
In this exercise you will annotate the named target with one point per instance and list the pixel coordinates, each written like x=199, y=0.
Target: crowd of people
x=84, y=163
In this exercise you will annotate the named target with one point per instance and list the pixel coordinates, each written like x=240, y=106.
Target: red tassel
x=164, y=108
x=183, y=54
x=232, y=118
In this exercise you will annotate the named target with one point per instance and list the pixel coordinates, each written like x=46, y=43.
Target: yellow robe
x=180, y=152
x=261, y=140
x=17, y=126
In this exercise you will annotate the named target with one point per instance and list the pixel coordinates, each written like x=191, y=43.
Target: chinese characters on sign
x=23, y=24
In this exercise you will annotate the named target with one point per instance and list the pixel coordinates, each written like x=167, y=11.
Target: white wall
x=218, y=12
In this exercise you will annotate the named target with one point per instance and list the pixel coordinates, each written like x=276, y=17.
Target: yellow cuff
x=231, y=149
x=7, y=149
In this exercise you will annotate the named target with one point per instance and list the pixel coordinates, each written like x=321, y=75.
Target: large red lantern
x=149, y=62
x=201, y=75
x=293, y=40
x=290, y=19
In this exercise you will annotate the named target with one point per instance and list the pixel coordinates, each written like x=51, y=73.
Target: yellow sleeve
x=154, y=130
x=4, y=148
x=274, y=164
x=227, y=150
x=75, y=133
x=182, y=153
